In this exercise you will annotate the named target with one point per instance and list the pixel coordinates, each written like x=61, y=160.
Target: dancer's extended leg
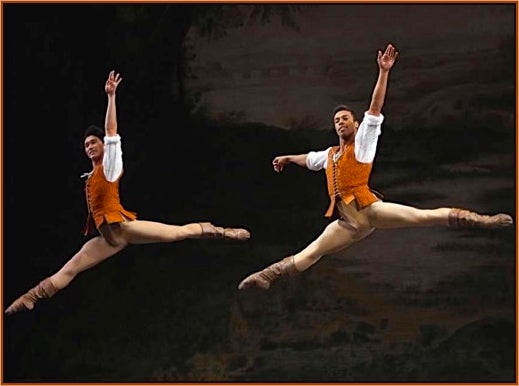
x=388, y=215
x=143, y=232
x=92, y=253
x=335, y=237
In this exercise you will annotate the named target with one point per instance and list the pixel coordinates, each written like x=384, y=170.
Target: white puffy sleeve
x=317, y=160
x=367, y=137
x=113, y=158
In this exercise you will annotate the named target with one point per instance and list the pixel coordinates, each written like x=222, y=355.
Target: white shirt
x=112, y=158
x=366, y=141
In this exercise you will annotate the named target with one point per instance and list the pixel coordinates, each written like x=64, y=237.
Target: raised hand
x=112, y=82
x=387, y=59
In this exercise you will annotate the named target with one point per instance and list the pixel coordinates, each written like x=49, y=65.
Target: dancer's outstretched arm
x=281, y=161
x=385, y=62
x=111, y=115
x=113, y=158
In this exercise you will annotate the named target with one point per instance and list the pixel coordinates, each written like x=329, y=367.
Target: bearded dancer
x=117, y=227
x=358, y=210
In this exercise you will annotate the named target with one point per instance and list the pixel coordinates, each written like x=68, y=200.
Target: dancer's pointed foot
x=257, y=279
x=23, y=303
x=45, y=289
x=462, y=218
x=263, y=279
x=211, y=231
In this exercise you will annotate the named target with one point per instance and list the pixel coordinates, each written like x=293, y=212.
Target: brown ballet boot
x=462, y=218
x=44, y=290
x=264, y=278
x=211, y=231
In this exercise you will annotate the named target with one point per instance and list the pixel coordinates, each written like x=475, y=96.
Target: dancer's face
x=94, y=147
x=345, y=124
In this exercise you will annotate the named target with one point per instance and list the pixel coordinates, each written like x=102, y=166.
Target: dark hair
x=93, y=130
x=343, y=108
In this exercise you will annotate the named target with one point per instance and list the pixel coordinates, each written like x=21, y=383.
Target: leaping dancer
x=355, y=208
x=117, y=227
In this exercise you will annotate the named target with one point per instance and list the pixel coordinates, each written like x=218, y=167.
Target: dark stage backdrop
x=210, y=95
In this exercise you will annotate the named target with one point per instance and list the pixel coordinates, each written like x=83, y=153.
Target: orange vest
x=347, y=180
x=103, y=201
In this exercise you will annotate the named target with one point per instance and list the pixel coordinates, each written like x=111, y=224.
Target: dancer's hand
x=387, y=59
x=112, y=82
x=280, y=162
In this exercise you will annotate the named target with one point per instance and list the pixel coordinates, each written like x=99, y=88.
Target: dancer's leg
x=92, y=253
x=389, y=215
x=143, y=232
x=335, y=237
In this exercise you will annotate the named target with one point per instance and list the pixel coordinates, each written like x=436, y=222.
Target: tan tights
x=115, y=238
x=355, y=225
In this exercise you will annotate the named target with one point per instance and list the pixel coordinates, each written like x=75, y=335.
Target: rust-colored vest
x=347, y=180
x=103, y=201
